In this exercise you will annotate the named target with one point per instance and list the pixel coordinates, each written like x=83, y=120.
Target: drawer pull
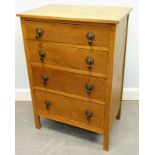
x=90, y=37
x=42, y=55
x=89, y=115
x=39, y=33
x=90, y=62
x=45, y=79
x=89, y=87
x=47, y=104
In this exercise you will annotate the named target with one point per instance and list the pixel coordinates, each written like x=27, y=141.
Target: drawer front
x=68, y=33
x=52, y=105
x=75, y=57
x=68, y=82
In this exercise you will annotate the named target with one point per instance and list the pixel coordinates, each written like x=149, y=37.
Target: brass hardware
x=89, y=87
x=90, y=62
x=39, y=33
x=47, y=104
x=89, y=115
x=45, y=79
x=90, y=37
x=42, y=55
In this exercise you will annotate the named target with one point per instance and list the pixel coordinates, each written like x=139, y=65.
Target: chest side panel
x=118, y=66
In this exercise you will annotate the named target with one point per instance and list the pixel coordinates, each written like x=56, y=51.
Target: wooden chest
x=75, y=59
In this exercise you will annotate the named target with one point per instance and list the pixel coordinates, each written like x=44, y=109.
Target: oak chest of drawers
x=75, y=59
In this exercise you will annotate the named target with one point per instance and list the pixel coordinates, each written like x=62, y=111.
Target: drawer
x=68, y=82
x=62, y=107
x=75, y=57
x=68, y=33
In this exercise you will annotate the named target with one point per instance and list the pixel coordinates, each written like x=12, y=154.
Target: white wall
x=132, y=63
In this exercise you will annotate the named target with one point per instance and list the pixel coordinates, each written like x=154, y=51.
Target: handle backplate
x=89, y=115
x=89, y=87
x=39, y=33
x=47, y=104
x=90, y=38
x=42, y=55
x=90, y=62
x=45, y=79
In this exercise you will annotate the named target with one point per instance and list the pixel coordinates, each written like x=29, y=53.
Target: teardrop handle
x=90, y=62
x=45, y=79
x=90, y=38
x=89, y=115
x=89, y=87
x=42, y=55
x=39, y=33
x=47, y=104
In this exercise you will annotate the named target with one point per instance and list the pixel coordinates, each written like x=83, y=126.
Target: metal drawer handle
x=90, y=62
x=45, y=79
x=89, y=87
x=42, y=55
x=39, y=33
x=47, y=104
x=89, y=115
x=90, y=38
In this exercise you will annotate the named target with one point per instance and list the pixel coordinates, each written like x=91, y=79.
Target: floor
x=59, y=139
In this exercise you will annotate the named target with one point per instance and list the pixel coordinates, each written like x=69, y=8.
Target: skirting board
x=128, y=94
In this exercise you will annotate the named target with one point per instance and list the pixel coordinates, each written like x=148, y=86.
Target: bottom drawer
x=82, y=112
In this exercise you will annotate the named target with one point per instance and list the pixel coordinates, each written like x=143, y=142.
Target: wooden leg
x=106, y=128
x=119, y=112
x=106, y=141
x=37, y=121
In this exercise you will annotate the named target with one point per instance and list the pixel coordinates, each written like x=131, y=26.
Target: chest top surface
x=100, y=14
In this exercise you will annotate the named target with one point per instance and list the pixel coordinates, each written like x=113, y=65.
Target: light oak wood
x=69, y=108
x=97, y=14
x=66, y=46
x=68, y=56
x=69, y=95
x=117, y=46
x=107, y=115
x=82, y=72
x=69, y=82
x=57, y=32
x=119, y=63
x=36, y=117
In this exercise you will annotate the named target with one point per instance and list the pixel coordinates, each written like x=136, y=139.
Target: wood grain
x=72, y=109
x=97, y=14
x=66, y=46
x=107, y=115
x=82, y=72
x=60, y=33
x=70, y=95
x=119, y=64
x=68, y=56
x=69, y=82
x=36, y=117
x=115, y=70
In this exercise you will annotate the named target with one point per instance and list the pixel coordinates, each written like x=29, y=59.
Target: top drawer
x=68, y=33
